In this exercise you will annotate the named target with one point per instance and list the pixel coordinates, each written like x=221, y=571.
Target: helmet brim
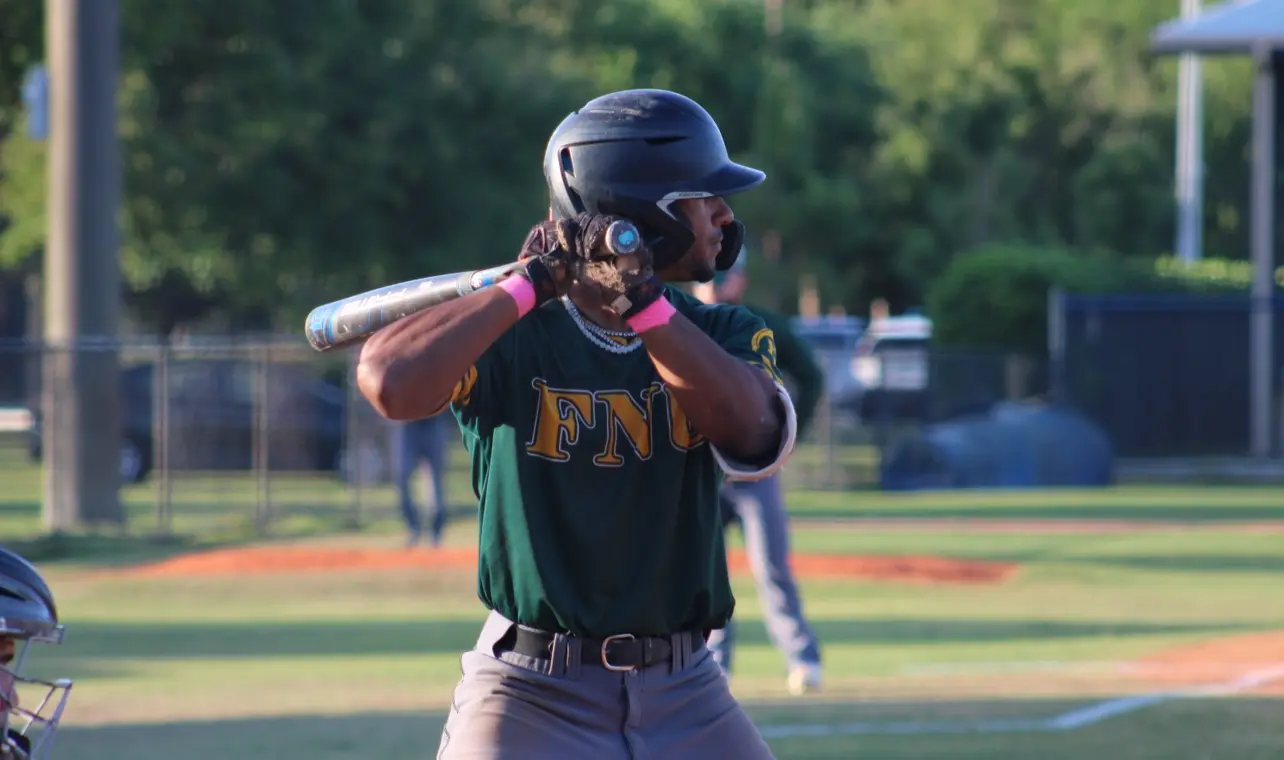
x=732, y=178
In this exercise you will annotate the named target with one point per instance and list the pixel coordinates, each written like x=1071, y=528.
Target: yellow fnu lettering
x=763, y=343
x=625, y=415
x=681, y=432
x=559, y=416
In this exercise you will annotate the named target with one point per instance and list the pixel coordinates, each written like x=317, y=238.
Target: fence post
x=160, y=440
x=53, y=393
x=1056, y=343
x=352, y=461
x=826, y=439
x=261, y=445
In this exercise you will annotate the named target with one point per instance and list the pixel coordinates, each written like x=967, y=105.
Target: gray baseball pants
x=510, y=706
x=761, y=511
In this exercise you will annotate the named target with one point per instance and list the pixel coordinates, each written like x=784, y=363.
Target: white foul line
x=1078, y=718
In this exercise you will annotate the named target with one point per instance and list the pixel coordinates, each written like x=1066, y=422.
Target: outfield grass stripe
x=904, y=728
x=1112, y=708
x=1082, y=717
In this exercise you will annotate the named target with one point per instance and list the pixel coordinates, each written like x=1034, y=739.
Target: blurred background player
x=415, y=442
x=759, y=507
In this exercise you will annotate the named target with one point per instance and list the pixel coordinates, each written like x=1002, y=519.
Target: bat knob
x=623, y=238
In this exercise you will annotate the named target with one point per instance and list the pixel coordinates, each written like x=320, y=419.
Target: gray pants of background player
x=412, y=443
x=510, y=706
x=765, y=523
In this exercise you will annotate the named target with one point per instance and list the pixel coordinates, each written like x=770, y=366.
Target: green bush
x=1209, y=275
x=997, y=297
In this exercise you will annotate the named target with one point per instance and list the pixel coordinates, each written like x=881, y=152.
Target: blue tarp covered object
x=1014, y=445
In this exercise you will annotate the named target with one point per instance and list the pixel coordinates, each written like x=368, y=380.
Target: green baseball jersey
x=598, y=499
x=797, y=363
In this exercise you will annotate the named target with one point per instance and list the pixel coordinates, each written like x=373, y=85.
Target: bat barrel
x=357, y=317
x=320, y=326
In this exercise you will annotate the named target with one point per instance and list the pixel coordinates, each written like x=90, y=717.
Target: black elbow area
x=372, y=381
x=394, y=395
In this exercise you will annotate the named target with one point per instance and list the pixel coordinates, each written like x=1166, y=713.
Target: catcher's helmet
x=635, y=152
x=27, y=615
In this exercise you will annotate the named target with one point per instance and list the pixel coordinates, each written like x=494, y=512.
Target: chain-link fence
x=267, y=435
x=898, y=396
x=214, y=434
x=1168, y=375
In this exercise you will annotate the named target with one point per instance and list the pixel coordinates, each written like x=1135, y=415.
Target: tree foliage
x=280, y=154
x=996, y=297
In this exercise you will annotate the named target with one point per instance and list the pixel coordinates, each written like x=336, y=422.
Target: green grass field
x=318, y=666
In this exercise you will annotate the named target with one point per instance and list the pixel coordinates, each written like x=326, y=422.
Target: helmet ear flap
x=733, y=239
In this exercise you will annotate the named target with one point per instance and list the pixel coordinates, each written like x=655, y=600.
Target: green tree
x=281, y=154
x=22, y=44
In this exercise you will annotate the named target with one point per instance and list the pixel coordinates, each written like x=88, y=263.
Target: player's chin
x=704, y=273
x=704, y=268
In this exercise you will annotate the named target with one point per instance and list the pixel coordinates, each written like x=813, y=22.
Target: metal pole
x=262, y=446
x=1263, y=249
x=82, y=274
x=160, y=441
x=1056, y=344
x=1190, y=149
x=350, y=464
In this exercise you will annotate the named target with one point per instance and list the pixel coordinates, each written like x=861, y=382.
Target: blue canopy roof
x=1238, y=26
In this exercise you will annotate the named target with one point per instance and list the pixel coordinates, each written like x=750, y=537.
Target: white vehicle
x=833, y=342
x=892, y=363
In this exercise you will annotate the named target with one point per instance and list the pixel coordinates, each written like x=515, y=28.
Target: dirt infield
x=1256, y=657
x=295, y=559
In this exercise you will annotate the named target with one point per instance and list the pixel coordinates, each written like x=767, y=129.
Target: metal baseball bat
x=355, y=318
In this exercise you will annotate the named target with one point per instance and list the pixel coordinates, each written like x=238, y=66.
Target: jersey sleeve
x=746, y=336
x=797, y=362
x=477, y=398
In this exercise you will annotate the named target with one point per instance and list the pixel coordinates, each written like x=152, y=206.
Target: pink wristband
x=522, y=291
x=657, y=314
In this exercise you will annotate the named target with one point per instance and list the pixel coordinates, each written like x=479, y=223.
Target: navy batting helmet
x=633, y=153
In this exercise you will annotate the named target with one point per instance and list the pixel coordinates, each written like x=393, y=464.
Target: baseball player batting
x=602, y=407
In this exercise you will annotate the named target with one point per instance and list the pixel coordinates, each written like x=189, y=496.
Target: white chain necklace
x=600, y=336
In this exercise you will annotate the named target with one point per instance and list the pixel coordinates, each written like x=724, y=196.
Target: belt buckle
x=606, y=661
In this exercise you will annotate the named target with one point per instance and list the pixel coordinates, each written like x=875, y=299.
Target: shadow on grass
x=308, y=737
x=1238, y=728
x=102, y=640
x=1132, y=512
x=1206, y=563
x=107, y=548
x=97, y=641
x=20, y=508
x=911, y=631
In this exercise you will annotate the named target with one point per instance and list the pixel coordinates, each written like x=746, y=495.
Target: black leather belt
x=621, y=652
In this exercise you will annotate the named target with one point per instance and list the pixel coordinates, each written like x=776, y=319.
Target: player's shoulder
x=711, y=315
x=779, y=323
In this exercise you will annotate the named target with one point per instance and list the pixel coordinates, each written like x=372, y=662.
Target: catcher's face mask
x=30, y=709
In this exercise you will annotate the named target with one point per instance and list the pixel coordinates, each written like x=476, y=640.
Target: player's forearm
x=408, y=369
x=729, y=402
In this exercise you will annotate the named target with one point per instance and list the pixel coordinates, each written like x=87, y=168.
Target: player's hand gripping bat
x=355, y=318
